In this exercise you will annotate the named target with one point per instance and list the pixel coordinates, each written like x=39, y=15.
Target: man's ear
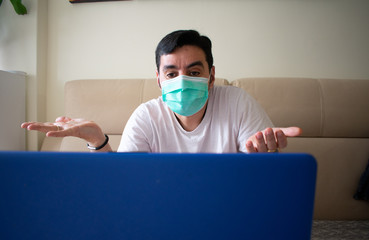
x=158, y=78
x=212, y=77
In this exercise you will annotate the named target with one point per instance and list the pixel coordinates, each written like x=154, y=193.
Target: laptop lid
x=156, y=196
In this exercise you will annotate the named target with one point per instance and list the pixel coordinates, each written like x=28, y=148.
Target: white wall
x=297, y=38
x=23, y=48
x=279, y=38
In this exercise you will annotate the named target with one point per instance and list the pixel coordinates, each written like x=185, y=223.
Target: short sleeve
x=136, y=134
x=252, y=117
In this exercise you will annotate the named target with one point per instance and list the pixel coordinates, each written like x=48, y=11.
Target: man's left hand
x=271, y=139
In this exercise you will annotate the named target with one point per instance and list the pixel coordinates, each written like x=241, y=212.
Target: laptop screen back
x=156, y=196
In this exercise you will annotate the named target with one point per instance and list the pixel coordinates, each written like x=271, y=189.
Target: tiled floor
x=340, y=230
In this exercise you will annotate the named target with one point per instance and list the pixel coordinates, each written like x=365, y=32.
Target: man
x=192, y=115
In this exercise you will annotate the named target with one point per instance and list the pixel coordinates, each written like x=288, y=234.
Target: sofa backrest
x=333, y=113
x=321, y=107
x=334, y=116
x=110, y=102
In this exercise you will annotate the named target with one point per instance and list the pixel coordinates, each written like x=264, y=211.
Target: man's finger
x=290, y=131
x=250, y=147
x=63, y=119
x=260, y=142
x=41, y=127
x=281, y=139
x=26, y=124
x=270, y=139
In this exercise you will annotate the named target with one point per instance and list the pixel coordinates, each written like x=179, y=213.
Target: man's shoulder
x=155, y=102
x=229, y=92
x=228, y=88
x=152, y=106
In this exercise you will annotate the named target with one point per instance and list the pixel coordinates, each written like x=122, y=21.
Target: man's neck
x=190, y=123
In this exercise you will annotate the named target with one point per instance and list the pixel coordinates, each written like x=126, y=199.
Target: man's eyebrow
x=198, y=63
x=166, y=67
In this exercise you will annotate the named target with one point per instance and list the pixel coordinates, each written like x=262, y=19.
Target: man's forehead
x=186, y=56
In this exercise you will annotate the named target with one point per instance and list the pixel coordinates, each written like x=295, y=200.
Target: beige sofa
x=333, y=113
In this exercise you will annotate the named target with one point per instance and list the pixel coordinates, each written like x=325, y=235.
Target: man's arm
x=65, y=127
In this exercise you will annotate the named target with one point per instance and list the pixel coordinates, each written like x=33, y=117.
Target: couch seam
x=142, y=90
x=322, y=106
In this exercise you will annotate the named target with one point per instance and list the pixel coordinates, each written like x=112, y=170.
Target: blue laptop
x=156, y=196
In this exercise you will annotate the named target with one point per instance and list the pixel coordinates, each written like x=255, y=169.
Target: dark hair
x=180, y=38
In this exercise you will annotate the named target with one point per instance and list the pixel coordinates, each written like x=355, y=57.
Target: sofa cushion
x=333, y=114
x=105, y=101
x=110, y=102
x=341, y=162
x=321, y=107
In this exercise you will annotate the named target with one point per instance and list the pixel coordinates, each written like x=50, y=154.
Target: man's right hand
x=64, y=127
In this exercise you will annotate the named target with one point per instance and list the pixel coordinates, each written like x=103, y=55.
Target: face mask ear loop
x=210, y=80
x=159, y=83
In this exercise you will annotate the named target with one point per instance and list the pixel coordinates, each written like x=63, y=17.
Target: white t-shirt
x=231, y=117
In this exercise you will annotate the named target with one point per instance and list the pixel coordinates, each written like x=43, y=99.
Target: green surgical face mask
x=185, y=95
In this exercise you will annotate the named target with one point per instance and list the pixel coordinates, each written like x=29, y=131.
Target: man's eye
x=194, y=73
x=170, y=75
